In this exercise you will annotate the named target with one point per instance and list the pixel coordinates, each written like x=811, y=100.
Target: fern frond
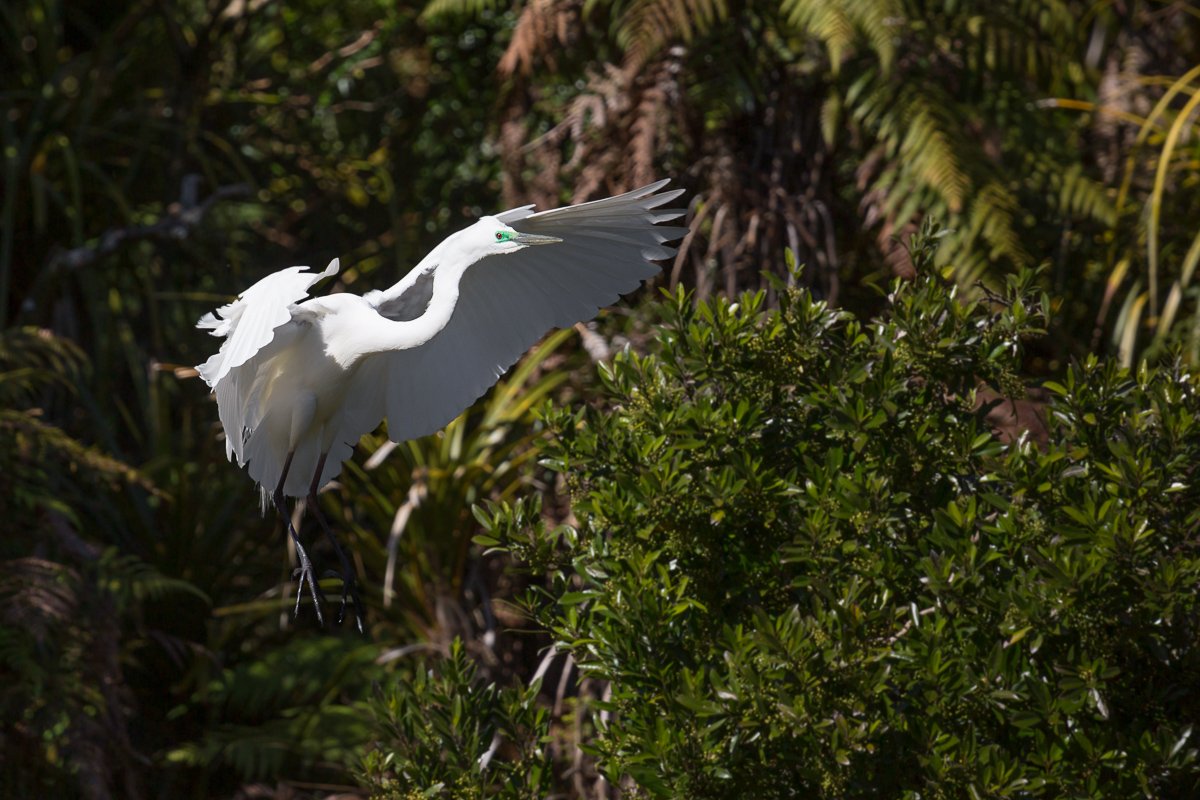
x=537, y=30
x=287, y=708
x=32, y=359
x=837, y=23
x=917, y=130
x=311, y=666
x=879, y=21
x=38, y=440
x=928, y=150
x=648, y=25
x=1012, y=39
x=993, y=217
x=983, y=234
x=827, y=21
x=38, y=593
x=457, y=9
x=130, y=579
x=1086, y=197
x=650, y=122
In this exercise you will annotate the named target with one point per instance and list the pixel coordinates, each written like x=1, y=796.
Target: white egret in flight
x=298, y=382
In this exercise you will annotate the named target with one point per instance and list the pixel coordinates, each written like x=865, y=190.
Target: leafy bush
x=807, y=567
x=467, y=724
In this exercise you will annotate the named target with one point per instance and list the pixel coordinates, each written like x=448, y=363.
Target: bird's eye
x=499, y=236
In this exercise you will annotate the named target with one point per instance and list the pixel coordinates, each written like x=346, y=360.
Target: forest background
x=160, y=155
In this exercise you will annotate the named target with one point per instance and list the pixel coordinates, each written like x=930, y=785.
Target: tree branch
x=175, y=226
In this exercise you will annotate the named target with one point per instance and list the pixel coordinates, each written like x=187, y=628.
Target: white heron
x=298, y=382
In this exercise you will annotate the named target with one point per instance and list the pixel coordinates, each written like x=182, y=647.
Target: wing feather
x=249, y=323
x=508, y=302
x=505, y=305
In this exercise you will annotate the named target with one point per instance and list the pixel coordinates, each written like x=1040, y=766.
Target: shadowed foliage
x=806, y=567
x=804, y=124
x=161, y=155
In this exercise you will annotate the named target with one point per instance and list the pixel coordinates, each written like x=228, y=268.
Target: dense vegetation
x=771, y=542
x=804, y=566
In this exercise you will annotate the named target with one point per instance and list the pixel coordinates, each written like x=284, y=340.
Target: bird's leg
x=349, y=575
x=306, y=569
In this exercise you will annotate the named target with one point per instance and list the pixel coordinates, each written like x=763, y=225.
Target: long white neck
x=351, y=336
x=447, y=278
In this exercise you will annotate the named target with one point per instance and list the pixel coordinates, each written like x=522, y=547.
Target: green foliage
x=1164, y=150
x=64, y=601
x=839, y=26
x=38, y=458
x=407, y=506
x=806, y=124
x=807, y=567
x=63, y=698
x=445, y=734
x=299, y=707
x=158, y=158
x=66, y=702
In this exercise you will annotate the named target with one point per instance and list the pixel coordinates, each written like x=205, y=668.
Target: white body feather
x=312, y=377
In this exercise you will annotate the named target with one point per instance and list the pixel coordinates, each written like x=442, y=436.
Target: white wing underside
x=250, y=325
x=509, y=302
x=506, y=304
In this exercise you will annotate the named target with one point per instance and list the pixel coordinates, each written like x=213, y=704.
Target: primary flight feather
x=298, y=382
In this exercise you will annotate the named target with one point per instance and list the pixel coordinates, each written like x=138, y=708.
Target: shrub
x=442, y=732
x=808, y=568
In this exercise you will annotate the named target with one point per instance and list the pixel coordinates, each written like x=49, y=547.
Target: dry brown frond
x=767, y=188
x=652, y=115
x=543, y=25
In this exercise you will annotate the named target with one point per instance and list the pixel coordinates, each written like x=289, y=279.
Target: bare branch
x=175, y=226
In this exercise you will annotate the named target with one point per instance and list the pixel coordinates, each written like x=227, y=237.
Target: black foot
x=349, y=591
x=305, y=573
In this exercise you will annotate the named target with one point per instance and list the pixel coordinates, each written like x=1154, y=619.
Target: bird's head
x=491, y=236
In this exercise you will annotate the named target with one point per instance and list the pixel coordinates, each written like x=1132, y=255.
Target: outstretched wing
x=508, y=302
x=249, y=322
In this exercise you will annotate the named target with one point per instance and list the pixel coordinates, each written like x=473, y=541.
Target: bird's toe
x=304, y=574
